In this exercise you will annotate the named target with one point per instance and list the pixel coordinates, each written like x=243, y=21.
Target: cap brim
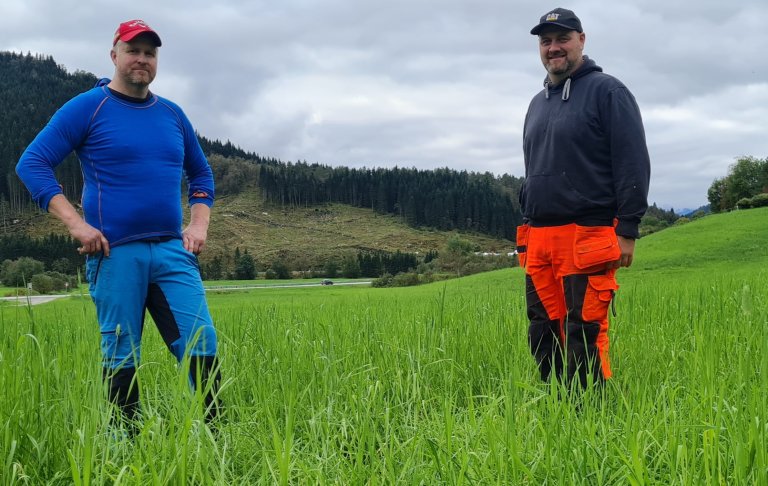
x=150, y=34
x=557, y=26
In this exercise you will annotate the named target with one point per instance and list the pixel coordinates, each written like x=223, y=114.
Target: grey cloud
x=428, y=83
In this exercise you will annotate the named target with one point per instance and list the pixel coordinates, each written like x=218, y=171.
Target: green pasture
x=423, y=385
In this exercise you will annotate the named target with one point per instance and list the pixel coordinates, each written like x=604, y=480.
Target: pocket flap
x=605, y=286
x=594, y=246
x=603, y=282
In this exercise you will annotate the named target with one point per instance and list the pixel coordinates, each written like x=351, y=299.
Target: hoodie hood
x=586, y=67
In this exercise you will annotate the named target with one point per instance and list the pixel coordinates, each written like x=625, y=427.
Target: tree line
x=745, y=186
x=241, y=265
x=444, y=199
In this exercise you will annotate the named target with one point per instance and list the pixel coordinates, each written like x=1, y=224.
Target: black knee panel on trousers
x=206, y=377
x=543, y=335
x=123, y=391
x=581, y=336
x=583, y=355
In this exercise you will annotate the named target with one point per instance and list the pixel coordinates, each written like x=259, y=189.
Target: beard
x=560, y=68
x=140, y=79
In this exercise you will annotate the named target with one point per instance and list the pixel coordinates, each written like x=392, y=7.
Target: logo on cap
x=138, y=23
x=552, y=16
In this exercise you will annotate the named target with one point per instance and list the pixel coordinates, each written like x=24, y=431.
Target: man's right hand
x=93, y=240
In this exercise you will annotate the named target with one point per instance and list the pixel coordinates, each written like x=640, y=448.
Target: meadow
x=422, y=385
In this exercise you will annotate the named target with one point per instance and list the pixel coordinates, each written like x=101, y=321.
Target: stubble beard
x=565, y=68
x=139, y=80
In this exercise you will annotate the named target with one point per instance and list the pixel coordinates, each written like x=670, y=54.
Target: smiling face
x=561, y=52
x=135, y=66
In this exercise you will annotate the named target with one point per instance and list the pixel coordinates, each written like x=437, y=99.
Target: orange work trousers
x=568, y=293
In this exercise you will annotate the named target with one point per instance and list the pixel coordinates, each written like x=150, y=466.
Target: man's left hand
x=194, y=237
x=627, y=247
x=195, y=234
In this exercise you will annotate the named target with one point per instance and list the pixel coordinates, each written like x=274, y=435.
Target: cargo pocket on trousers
x=595, y=245
x=521, y=243
x=600, y=292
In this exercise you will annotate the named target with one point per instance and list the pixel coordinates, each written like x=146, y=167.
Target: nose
x=554, y=46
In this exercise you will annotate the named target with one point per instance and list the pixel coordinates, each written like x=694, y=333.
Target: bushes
x=19, y=272
x=759, y=201
x=25, y=270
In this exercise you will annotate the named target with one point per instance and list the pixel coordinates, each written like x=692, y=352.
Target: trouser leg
x=117, y=285
x=205, y=376
x=545, y=329
x=123, y=390
x=176, y=302
x=588, y=298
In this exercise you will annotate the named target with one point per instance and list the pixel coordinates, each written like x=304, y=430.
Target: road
x=33, y=299
x=42, y=299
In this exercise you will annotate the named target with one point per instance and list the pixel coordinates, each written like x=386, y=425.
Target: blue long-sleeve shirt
x=133, y=155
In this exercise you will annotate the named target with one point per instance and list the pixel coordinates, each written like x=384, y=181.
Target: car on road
x=326, y=281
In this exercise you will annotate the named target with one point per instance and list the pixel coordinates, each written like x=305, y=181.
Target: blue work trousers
x=161, y=277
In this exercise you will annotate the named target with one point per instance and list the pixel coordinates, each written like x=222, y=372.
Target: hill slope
x=306, y=237
x=734, y=243
x=314, y=235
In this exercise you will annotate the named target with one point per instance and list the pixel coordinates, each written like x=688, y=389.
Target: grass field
x=424, y=385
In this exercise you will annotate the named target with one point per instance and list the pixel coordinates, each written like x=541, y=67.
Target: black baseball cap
x=559, y=17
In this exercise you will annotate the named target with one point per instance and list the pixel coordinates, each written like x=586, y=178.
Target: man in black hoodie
x=586, y=186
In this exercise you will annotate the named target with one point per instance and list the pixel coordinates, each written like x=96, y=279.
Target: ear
x=113, y=55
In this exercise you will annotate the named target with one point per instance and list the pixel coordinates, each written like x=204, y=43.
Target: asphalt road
x=32, y=299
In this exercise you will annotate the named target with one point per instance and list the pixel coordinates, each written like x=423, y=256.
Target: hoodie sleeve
x=629, y=159
x=64, y=132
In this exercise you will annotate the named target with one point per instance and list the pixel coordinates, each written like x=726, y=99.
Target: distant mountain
x=687, y=212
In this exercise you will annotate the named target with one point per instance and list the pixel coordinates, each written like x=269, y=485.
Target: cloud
x=427, y=83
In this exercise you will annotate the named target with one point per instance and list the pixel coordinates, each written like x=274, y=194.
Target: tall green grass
x=426, y=385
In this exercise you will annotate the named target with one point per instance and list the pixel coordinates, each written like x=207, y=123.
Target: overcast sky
x=429, y=83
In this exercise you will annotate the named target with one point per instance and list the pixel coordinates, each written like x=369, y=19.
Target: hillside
x=306, y=236
x=727, y=243
x=316, y=234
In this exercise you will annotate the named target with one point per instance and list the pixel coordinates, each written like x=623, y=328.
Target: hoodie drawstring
x=567, y=89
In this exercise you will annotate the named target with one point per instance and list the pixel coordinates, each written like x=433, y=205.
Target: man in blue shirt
x=134, y=147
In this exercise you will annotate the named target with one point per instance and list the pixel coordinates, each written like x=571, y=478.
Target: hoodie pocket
x=595, y=246
x=553, y=197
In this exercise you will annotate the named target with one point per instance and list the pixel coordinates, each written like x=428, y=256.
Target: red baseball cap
x=128, y=30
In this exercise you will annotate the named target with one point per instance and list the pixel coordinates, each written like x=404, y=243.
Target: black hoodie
x=586, y=160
